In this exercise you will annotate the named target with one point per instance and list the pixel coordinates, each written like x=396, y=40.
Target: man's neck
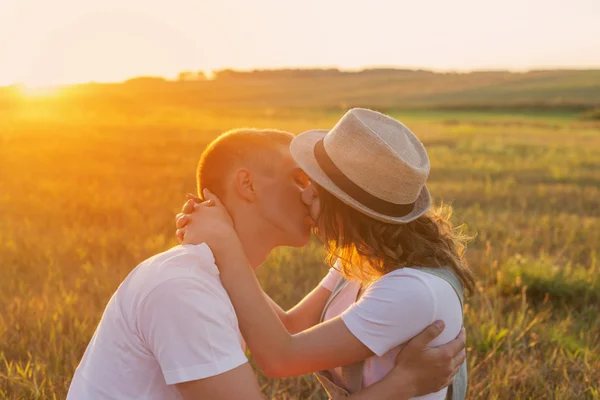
x=257, y=244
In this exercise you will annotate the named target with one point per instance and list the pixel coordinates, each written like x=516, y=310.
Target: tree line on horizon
x=379, y=88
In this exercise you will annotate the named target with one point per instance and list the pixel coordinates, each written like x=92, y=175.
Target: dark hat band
x=356, y=192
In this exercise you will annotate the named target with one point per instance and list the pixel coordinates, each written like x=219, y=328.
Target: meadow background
x=91, y=178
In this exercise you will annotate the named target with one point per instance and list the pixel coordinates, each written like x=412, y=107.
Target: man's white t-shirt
x=170, y=321
x=391, y=311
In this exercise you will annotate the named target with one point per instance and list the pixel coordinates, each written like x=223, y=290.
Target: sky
x=45, y=42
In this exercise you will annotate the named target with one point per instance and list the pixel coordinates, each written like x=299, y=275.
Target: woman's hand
x=205, y=222
x=182, y=219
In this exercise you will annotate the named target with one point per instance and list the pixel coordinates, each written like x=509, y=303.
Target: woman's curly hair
x=368, y=249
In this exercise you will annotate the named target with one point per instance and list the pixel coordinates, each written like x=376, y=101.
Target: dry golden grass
x=85, y=196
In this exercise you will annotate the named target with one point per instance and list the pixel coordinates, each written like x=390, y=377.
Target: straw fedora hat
x=371, y=162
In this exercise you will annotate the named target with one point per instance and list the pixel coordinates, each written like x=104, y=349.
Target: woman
x=396, y=265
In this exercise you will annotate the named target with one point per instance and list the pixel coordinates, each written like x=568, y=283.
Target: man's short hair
x=236, y=148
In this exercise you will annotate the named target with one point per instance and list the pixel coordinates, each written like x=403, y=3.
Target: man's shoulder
x=181, y=253
x=175, y=269
x=184, y=260
x=184, y=277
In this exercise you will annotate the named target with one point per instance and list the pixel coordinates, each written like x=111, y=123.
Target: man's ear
x=243, y=184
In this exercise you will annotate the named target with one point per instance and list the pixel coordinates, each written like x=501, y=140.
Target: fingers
x=427, y=335
x=182, y=220
x=188, y=207
x=195, y=198
x=191, y=205
x=458, y=344
x=453, y=373
x=453, y=367
x=208, y=195
x=451, y=378
x=180, y=234
x=462, y=334
x=208, y=203
x=459, y=358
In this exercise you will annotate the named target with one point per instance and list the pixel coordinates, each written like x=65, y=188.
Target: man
x=170, y=331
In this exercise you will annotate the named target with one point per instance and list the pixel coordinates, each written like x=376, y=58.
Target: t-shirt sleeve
x=190, y=331
x=392, y=310
x=331, y=279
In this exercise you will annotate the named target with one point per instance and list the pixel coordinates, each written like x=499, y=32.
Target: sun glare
x=36, y=91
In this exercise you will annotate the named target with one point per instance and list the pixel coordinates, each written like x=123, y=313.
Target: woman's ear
x=244, y=185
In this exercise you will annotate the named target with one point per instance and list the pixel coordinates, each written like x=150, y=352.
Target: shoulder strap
x=458, y=389
x=341, y=284
x=351, y=374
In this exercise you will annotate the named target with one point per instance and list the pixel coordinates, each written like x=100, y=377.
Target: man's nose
x=308, y=194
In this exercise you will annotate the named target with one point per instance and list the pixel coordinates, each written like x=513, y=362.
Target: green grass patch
x=544, y=280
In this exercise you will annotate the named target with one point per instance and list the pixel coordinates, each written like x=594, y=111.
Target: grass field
x=85, y=197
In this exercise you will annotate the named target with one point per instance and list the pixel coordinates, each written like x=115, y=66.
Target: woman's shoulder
x=411, y=272
x=414, y=280
x=400, y=283
x=403, y=274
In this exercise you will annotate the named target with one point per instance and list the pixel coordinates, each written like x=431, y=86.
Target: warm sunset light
x=69, y=41
x=381, y=165
x=33, y=91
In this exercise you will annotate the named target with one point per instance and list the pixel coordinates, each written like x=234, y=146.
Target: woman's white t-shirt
x=391, y=311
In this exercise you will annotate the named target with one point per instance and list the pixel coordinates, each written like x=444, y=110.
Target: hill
x=333, y=89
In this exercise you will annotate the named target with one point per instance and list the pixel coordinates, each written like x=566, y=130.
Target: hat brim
x=302, y=150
